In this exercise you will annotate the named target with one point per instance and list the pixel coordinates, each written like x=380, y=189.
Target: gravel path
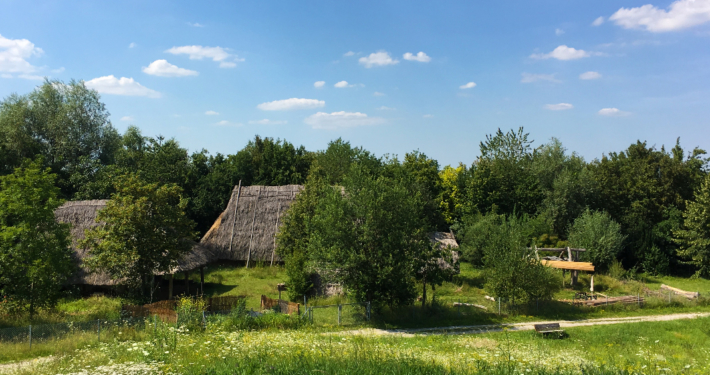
x=528, y=326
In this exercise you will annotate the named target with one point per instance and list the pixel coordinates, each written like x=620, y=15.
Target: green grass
x=678, y=347
x=227, y=280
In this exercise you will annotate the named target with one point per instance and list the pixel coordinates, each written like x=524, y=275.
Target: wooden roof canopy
x=569, y=264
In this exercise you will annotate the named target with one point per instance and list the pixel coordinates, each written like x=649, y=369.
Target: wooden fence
x=166, y=310
x=286, y=307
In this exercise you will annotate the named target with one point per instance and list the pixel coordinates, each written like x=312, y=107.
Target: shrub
x=600, y=235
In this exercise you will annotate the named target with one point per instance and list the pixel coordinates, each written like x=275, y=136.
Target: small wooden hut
x=246, y=230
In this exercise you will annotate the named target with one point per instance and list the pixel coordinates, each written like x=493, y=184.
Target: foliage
x=190, y=312
x=453, y=188
x=502, y=179
x=638, y=186
x=694, y=237
x=435, y=265
x=511, y=269
x=600, y=235
x=35, y=254
x=145, y=231
x=65, y=123
x=333, y=164
x=370, y=235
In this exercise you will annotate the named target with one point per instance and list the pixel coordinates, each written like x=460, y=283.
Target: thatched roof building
x=446, y=240
x=82, y=215
x=246, y=230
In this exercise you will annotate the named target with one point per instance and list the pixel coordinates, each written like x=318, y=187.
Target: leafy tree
x=453, y=186
x=600, y=235
x=638, y=186
x=65, y=123
x=424, y=172
x=434, y=265
x=503, y=180
x=371, y=236
x=145, y=231
x=694, y=236
x=294, y=236
x=511, y=269
x=35, y=254
x=333, y=164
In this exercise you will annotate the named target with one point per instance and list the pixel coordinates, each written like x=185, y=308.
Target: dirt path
x=462, y=330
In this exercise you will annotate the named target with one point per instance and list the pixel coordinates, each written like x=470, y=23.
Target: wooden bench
x=544, y=329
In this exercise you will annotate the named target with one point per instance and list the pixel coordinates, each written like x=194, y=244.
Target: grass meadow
x=279, y=345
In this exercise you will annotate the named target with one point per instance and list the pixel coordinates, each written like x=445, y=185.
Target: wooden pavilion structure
x=571, y=263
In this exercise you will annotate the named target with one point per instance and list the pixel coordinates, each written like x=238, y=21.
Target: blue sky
x=598, y=75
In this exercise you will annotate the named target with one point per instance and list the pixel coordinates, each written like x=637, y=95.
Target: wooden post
x=170, y=286
x=253, y=220
x=187, y=283
x=234, y=221
x=202, y=280
x=276, y=228
x=536, y=255
x=591, y=286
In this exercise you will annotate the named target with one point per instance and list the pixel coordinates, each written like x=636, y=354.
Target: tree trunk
x=423, y=293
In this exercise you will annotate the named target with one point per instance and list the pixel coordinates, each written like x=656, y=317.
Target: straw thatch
x=81, y=215
x=247, y=230
x=446, y=240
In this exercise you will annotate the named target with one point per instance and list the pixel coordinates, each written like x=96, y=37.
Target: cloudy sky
x=392, y=76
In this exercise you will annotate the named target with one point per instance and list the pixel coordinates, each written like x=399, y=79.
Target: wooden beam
x=253, y=220
x=572, y=266
x=560, y=249
x=689, y=295
x=234, y=220
x=202, y=280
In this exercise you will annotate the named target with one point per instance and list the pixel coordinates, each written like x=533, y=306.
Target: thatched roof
x=444, y=239
x=82, y=215
x=247, y=230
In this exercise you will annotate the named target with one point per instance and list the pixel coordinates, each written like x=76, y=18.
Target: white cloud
x=590, y=75
x=384, y=108
x=377, y=93
x=612, y=112
x=132, y=45
x=195, y=24
x=211, y=113
x=127, y=118
x=32, y=77
x=14, y=54
x=163, y=68
x=5, y=75
x=342, y=119
x=681, y=14
x=598, y=21
x=123, y=86
x=349, y=53
x=562, y=53
x=268, y=122
x=58, y=70
x=319, y=84
x=428, y=116
x=381, y=58
x=421, y=57
x=342, y=84
x=217, y=54
x=229, y=123
x=559, y=107
x=559, y=32
x=291, y=104
x=469, y=85
x=530, y=78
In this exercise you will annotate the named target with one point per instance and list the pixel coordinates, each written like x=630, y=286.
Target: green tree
x=511, y=269
x=503, y=180
x=694, y=236
x=67, y=124
x=371, y=236
x=294, y=236
x=638, y=186
x=145, y=231
x=35, y=254
x=334, y=163
x=600, y=235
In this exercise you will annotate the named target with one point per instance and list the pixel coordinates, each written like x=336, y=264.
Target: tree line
x=646, y=208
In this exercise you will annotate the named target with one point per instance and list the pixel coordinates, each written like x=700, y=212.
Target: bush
x=190, y=312
x=600, y=235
